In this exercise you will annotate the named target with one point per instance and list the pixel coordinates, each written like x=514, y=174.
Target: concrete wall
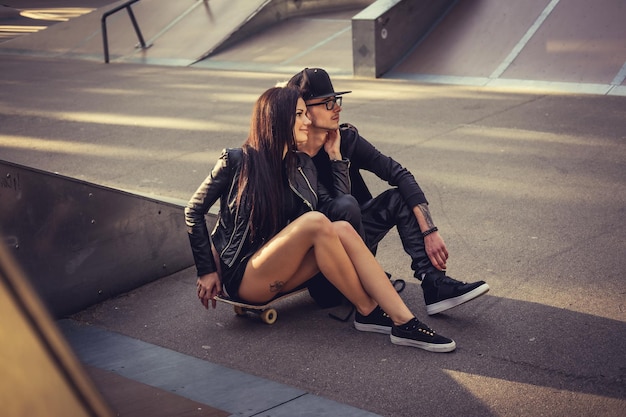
x=387, y=30
x=80, y=243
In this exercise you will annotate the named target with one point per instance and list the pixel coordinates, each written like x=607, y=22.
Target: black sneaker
x=442, y=292
x=417, y=334
x=377, y=321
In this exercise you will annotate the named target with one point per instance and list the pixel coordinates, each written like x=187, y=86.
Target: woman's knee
x=316, y=222
x=313, y=217
x=343, y=228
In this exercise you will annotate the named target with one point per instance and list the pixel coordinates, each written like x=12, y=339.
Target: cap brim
x=335, y=94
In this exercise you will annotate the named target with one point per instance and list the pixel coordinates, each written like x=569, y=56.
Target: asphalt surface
x=527, y=186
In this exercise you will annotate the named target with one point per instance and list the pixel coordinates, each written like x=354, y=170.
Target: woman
x=269, y=240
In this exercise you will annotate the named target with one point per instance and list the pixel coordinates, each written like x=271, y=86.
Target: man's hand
x=436, y=250
x=435, y=246
x=332, y=145
x=209, y=286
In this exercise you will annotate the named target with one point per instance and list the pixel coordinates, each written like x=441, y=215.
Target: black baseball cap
x=314, y=83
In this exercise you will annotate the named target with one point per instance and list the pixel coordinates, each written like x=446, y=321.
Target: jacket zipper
x=307, y=202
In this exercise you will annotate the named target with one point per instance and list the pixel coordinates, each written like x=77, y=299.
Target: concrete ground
x=527, y=186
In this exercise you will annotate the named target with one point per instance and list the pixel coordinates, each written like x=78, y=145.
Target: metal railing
x=105, y=39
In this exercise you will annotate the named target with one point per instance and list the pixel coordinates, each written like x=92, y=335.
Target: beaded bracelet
x=429, y=231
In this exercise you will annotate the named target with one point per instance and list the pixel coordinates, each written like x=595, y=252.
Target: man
x=404, y=206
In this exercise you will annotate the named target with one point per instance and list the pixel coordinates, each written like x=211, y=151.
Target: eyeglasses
x=330, y=104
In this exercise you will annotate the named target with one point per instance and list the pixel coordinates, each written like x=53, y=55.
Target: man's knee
x=388, y=207
x=344, y=207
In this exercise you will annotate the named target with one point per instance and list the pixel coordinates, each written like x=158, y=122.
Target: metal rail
x=105, y=39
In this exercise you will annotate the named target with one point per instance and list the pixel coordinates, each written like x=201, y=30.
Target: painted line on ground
x=524, y=40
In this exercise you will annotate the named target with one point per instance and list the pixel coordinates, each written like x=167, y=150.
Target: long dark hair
x=262, y=174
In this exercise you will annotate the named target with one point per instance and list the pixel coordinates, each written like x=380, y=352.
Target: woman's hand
x=209, y=286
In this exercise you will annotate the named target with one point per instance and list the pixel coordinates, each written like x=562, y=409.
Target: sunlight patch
x=502, y=397
x=55, y=15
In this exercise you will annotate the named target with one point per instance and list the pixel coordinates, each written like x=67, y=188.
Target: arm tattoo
x=276, y=286
x=424, y=209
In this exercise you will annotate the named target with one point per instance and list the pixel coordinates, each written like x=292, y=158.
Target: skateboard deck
x=265, y=311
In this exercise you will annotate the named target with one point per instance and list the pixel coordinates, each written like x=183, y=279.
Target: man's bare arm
x=435, y=246
x=427, y=221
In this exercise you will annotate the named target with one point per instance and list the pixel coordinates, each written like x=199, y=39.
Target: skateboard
x=265, y=311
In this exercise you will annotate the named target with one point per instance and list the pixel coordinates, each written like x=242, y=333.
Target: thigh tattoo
x=277, y=286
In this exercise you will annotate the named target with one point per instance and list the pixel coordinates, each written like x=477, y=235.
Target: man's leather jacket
x=364, y=156
x=232, y=225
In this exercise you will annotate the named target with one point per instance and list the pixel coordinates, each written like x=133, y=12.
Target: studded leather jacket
x=232, y=225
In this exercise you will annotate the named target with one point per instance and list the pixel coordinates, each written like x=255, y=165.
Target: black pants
x=381, y=214
x=373, y=220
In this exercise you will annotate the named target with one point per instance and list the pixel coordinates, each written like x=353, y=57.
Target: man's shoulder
x=350, y=136
x=349, y=133
x=348, y=129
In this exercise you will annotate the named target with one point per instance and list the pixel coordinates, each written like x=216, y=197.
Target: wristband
x=429, y=231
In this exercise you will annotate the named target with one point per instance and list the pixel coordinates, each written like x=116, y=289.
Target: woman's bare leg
x=371, y=274
x=307, y=245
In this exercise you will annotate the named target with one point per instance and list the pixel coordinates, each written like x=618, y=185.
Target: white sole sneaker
x=373, y=328
x=456, y=301
x=431, y=347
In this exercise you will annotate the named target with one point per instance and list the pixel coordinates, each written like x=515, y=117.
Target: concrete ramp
x=490, y=42
x=194, y=28
x=179, y=32
x=41, y=376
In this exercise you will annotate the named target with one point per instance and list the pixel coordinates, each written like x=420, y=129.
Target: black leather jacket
x=363, y=155
x=232, y=224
